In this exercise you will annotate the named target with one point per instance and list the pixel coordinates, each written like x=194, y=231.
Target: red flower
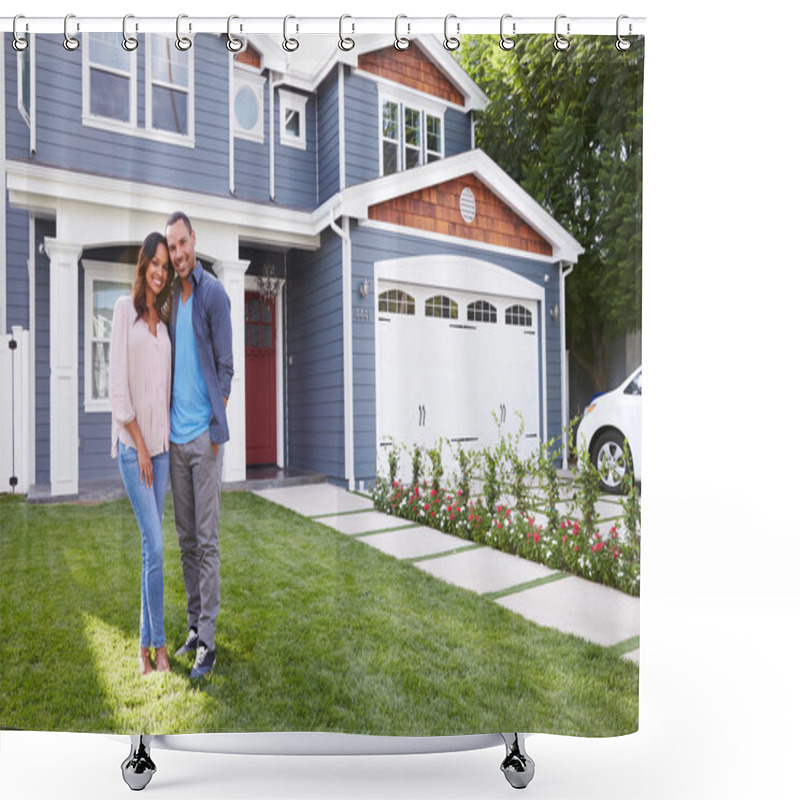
x=536, y=537
x=576, y=548
x=563, y=539
x=426, y=506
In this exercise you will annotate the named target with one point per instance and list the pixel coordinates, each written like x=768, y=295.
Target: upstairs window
x=411, y=133
x=248, y=103
x=109, y=80
x=293, y=118
x=169, y=78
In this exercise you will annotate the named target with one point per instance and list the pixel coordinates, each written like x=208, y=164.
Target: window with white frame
x=292, y=118
x=103, y=285
x=169, y=101
x=109, y=81
x=248, y=103
x=411, y=132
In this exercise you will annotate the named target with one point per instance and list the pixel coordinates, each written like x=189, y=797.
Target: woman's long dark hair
x=164, y=299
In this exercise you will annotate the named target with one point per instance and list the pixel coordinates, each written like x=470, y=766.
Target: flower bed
x=571, y=542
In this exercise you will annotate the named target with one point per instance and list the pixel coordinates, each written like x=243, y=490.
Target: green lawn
x=317, y=632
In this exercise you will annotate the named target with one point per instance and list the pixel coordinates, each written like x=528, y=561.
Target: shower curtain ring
x=506, y=42
x=622, y=43
x=290, y=44
x=182, y=42
x=401, y=42
x=129, y=43
x=70, y=42
x=451, y=42
x=233, y=44
x=560, y=43
x=346, y=42
x=20, y=43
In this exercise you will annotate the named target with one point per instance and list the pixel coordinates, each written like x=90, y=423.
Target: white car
x=609, y=422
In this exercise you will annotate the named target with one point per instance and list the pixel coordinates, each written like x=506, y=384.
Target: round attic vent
x=467, y=205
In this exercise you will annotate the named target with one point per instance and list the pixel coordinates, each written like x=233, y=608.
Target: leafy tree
x=567, y=126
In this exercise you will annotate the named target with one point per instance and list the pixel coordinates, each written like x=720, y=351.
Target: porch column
x=63, y=365
x=231, y=273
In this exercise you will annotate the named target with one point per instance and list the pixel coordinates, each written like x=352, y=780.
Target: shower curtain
x=432, y=258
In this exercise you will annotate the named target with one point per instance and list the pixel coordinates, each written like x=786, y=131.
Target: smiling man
x=202, y=369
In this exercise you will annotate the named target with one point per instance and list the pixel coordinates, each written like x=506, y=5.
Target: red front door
x=259, y=358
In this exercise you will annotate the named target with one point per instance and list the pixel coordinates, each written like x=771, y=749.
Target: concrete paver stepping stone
x=354, y=524
x=485, y=570
x=632, y=656
x=414, y=542
x=574, y=605
x=316, y=498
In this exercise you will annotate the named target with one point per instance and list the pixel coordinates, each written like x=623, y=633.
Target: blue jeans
x=148, y=506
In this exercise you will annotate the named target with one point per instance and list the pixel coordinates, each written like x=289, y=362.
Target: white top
x=140, y=375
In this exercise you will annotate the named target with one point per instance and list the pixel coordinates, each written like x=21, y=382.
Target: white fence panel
x=15, y=411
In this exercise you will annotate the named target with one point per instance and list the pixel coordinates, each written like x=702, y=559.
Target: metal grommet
x=506, y=42
x=560, y=43
x=451, y=42
x=346, y=42
x=401, y=42
x=182, y=42
x=233, y=44
x=623, y=44
x=20, y=43
x=129, y=43
x=70, y=42
x=290, y=44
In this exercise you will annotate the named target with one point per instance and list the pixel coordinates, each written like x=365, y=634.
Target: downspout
x=347, y=336
x=563, y=275
x=271, y=139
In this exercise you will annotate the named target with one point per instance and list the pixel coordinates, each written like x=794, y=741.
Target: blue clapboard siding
x=328, y=127
x=362, y=129
x=64, y=142
x=315, y=386
x=457, y=132
x=43, y=228
x=371, y=245
x=17, y=132
x=17, y=296
x=296, y=169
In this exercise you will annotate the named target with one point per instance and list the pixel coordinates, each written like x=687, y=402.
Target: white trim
x=168, y=137
x=98, y=271
x=31, y=264
x=292, y=101
x=563, y=274
x=404, y=230
x=271, y=135
x=342, y=142
x=246, y=78
x=28, y=116
x=3, y=249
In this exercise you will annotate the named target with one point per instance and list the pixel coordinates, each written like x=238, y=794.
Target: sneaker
x=190, y=645
x=204, y=662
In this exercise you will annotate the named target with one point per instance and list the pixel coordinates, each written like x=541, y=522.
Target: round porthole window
x=467, y=205
x=245, y=107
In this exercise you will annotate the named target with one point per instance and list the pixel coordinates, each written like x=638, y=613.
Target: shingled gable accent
x=410, y=67
x=249, y=56
x=437, y=209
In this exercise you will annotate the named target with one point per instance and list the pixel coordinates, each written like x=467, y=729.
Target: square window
x=109, y=80
x=292, y=119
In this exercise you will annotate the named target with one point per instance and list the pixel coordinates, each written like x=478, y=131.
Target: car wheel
x=608, y=458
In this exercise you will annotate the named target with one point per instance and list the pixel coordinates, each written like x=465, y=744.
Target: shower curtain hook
x=451, y=42
x=233, y=44
x=70, y=42
x=622, y=43
x=506, y=42
x=20, y=43
x=289, y=44
x=129, y=43
x=182, y=42
x=560, y=43
x=346, y=42
x=401, y=42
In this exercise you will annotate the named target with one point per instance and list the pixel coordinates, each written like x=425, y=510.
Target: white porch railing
x=15, y=411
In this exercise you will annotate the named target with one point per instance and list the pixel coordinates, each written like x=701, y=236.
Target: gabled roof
x=306, y=67
x=357, y=200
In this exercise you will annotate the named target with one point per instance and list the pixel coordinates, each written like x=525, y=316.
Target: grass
x=317, y=632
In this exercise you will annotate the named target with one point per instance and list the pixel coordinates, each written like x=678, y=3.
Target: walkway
x=554, y=599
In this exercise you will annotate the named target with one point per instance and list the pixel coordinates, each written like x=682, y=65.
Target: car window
x=635, y=386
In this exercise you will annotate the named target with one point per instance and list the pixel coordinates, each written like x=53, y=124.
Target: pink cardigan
x=140, y=367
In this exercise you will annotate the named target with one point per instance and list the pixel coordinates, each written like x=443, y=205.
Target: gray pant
x=196, y=478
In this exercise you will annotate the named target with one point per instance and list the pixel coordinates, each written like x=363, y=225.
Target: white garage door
x=455, y=364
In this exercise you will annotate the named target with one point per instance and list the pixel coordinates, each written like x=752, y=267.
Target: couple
x=170, y=366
